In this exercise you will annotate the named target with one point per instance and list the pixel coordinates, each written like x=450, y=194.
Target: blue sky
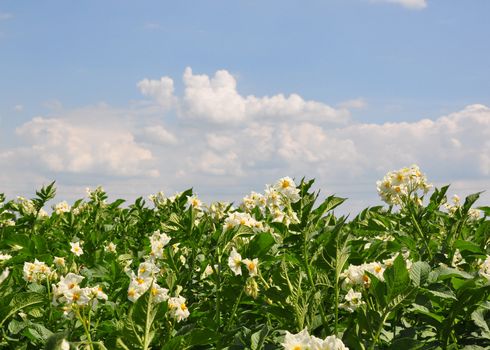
x=77, y=65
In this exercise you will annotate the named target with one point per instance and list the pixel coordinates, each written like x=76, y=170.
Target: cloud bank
x=225, y=144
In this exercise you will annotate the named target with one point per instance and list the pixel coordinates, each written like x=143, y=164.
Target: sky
x=226, y=96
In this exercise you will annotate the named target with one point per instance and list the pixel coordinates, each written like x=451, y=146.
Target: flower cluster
x=158, y=241
x=473, y=214
x=37, y=272
x=276, y=200
x=217, y=210
x=62, y=207
x=304, y=341
x=403, y=183
x=358, y=274
x=236, y=219
x=145, y=279
x=69, y=293
x=27, y=207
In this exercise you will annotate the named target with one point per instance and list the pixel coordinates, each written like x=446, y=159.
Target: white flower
x=235, y=262
x=333, y=343
x=65, y=345
x=287, y=188
x=304, y=341
x=159, y=294
x=59, y=261
x=299, y=341
x=158, y=241
x=62, y=207
x=76, y=249
x=147, y=269
x=353, y=301
x=77, y=295
x=178, y=308
x=110, y=247
x=252, y=266
x=98, y=293
x=194, y=202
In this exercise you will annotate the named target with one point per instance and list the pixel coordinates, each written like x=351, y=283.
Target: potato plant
x=280, y=270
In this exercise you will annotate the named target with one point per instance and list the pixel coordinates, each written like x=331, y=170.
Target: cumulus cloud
x=158, y=134
x=411, y=4
x=349, y=159
x=250, y=141
x=216, y=99
x=76, y=145
x=161, y=90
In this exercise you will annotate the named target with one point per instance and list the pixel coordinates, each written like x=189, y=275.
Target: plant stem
x=146, y=339
x=380, y=328
x=235, y=307
x=218, y=291
x=312, y=283
x=84, y=324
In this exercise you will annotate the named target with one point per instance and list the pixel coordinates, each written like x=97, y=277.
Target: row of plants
x=278, y=271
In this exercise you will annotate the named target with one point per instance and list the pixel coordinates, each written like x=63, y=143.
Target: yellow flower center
x=183, y=307
x=285, y=184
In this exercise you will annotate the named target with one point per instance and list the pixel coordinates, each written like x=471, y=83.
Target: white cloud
x=411, y=4
x=158, y=135
x=18, y=108
x=78, y=145
x=161, y=90
x=216, y=99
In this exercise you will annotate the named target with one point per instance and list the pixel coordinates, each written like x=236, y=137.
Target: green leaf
x=201, y=337
x=396, y=277
x=260, y=245
x=16, y=327
x=446, y=294
x=468, y=246
x=258, y=338
x=478, y=316
x=20, y=301
x=444, y=272
x=419, y=273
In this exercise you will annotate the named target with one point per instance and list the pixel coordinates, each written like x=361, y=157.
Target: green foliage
x=413, y=278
